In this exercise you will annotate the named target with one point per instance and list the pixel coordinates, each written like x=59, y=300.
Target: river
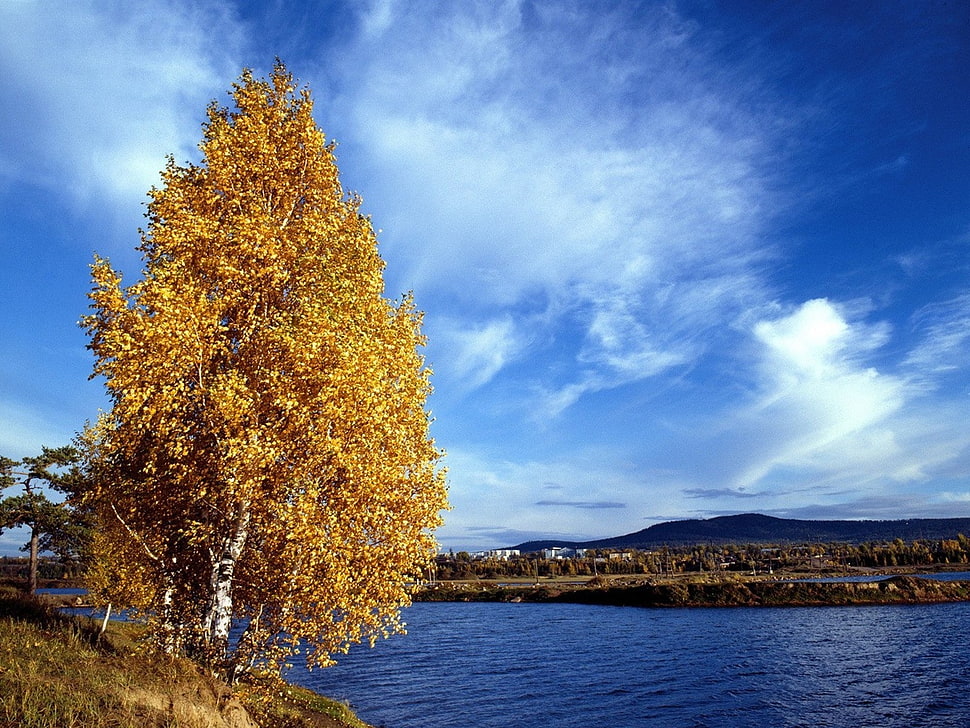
x=495, y=665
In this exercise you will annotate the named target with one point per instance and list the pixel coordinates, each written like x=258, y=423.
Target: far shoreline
x=786, y=590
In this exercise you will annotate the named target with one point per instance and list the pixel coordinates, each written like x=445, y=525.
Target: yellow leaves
x=258, y=361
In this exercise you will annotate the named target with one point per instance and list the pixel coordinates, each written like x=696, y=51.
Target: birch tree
x=267, y=454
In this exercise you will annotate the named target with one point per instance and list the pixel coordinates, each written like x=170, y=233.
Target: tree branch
x=135, y=536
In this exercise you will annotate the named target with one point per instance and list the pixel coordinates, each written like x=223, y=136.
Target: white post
x=104, y=623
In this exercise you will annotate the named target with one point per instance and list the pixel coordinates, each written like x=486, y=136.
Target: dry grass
x=57, y=672
x=276, y=704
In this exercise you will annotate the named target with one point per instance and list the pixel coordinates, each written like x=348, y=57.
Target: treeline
x=48, y=568
x=711, y=558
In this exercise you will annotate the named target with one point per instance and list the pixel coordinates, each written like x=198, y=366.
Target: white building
x=563, y=552
x=500, y=554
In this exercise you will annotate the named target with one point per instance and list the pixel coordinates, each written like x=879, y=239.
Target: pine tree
x=54, y=526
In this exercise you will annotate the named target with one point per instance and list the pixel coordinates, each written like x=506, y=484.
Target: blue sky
x=678, y=260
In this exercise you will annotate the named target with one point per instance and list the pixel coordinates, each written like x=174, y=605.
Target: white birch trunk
x=219, y=615
x=107, y=616
x=170, y=630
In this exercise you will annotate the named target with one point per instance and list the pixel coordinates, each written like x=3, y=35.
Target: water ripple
x=574, y=666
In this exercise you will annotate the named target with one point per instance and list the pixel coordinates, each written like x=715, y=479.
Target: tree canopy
x=267, y=454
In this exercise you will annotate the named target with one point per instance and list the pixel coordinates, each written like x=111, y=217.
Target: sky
x=677, y=259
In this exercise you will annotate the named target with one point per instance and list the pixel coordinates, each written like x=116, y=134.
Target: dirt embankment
x=57, y=670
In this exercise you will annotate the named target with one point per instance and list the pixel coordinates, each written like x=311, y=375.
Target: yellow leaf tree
x=267, y=455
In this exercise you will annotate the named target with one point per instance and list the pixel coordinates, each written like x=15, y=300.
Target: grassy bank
x=58, y=672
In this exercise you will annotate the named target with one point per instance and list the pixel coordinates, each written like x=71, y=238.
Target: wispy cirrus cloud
x=944, y=340
x=97, y=94
x=106, y=91
x=661, y=248
x=527, y=184
x=477, y=353
x=824, y=427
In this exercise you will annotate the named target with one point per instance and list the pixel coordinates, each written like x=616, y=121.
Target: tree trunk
x=171, y=632
x=219, y=615
x=34, y=550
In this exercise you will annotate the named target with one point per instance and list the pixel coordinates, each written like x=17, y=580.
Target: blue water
x=935, y=576
x=68, y=591
x=575, y=666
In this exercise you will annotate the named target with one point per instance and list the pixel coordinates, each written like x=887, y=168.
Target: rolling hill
x=756, y=528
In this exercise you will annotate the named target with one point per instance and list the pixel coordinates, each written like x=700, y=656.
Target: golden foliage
x=265, y=396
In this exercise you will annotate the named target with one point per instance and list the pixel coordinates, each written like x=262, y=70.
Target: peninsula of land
x=898, y=589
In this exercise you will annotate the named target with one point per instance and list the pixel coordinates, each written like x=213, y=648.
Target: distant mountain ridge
x=756, y=528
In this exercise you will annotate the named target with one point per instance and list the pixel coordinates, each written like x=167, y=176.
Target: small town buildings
x=499, y=554
x=563, y=552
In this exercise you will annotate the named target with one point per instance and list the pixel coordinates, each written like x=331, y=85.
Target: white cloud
x=825, y=433
x=552, y=403
x=948, y=497
x=820, y=409
x=581, y=199
x=809, y=340
x=476, y=355
x=513, y=166
x=377, y=19
x=106, y=90
x=944, y=346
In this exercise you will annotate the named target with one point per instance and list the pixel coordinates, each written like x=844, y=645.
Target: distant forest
x=747, y=543
x=751, y=558
x=753, y=528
